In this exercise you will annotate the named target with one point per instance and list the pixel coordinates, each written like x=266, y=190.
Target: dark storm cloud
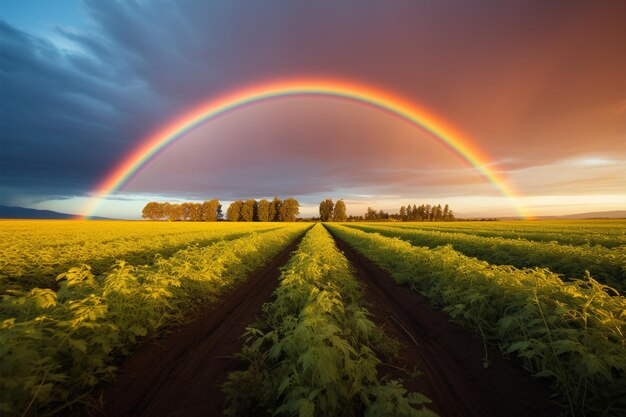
x=63, y=119
x=508, y=73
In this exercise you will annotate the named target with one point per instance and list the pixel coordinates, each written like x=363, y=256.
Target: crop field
x=313, y=319
x=58, y=343
x=607, y=265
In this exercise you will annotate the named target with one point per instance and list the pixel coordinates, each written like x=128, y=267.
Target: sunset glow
x=176, y=130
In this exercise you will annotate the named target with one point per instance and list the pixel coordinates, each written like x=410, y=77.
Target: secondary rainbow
x=456, y=142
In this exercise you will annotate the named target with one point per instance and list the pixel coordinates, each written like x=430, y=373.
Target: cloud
x=528, y=91
x=61, y=124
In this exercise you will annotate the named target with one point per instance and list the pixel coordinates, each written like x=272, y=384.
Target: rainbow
x=456, y=142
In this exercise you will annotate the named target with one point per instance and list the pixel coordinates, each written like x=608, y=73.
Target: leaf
x=138, y=330
x=7, y=324
x=546, y=373
x=284, y=384
x=418, y=398
x=307, y=408
x=563, y=346
x=522, y=345
x=78, y=344
x=593, y=364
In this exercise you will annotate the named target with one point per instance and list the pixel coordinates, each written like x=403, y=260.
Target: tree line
x=208, y=211
x=330, y=211
x=286, y=210
x=263, y=210
x=413, y=213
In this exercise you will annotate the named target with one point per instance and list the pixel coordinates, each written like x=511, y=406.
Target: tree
x=173, y=212
x=209, y=210
x=152, y=211
x=195, y=212
x=220, y=215
x=165, y=210
x=420, y=212
x=371, y=214
x=289, y=209
x=233, y=214
x=326, y=210
x=339, y=212
x=446, y=211
x=185, y=211
x=438, y=213
x=427, y=213
x=247, y=211
x=274, y=210
x=263, y=210
x=402, y=214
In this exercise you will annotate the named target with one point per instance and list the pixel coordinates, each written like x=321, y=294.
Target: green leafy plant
x=606, y=265
x=56, y=346
x=311, y=354
x=573, y=333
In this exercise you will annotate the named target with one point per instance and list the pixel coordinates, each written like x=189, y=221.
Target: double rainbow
x=456, y=143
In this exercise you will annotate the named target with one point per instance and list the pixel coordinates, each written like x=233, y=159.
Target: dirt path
x=181, y=373
x=449, y=358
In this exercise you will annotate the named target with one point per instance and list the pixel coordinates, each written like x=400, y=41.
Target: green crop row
x=32, y=257
x=56, y=346
x=311, y=355
x=615, y=228
x=605, y=265
x=573, y=333
x=569, y=235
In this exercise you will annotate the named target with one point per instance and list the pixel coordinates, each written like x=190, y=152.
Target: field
x=333, y=319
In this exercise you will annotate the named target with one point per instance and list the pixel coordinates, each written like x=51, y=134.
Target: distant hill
x=615, y=214
x=7, y=212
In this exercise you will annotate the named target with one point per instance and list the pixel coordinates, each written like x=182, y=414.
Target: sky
x=538, y=87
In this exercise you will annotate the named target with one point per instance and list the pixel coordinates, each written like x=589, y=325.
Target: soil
x=180, y=374
x=448, y=357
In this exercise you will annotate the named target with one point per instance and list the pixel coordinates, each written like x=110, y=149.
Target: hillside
x=8, y=212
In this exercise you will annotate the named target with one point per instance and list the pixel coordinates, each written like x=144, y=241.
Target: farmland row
x=572, y=333
x=56, y=346
x=311, y=355
x=612, y=238
x=605, y=265
x=27, y=261
x=613, y=228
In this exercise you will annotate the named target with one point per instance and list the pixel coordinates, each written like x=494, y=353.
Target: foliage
x=211, y=211
x=573, y=333
x=326, y=210
x=248, y=211
x=339, y=212
x=606, y=265
x=251, y=210
x=195, y=212
x=311, y=354
x=233, y=213
x=274, y=209
x=33, y=253
x=56, y=346
x=425, y=212
x=263, y=210
x=288, y=210
x=412, y=213
x=607, y=233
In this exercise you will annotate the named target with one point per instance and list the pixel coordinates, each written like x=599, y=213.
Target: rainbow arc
x=437, y=128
